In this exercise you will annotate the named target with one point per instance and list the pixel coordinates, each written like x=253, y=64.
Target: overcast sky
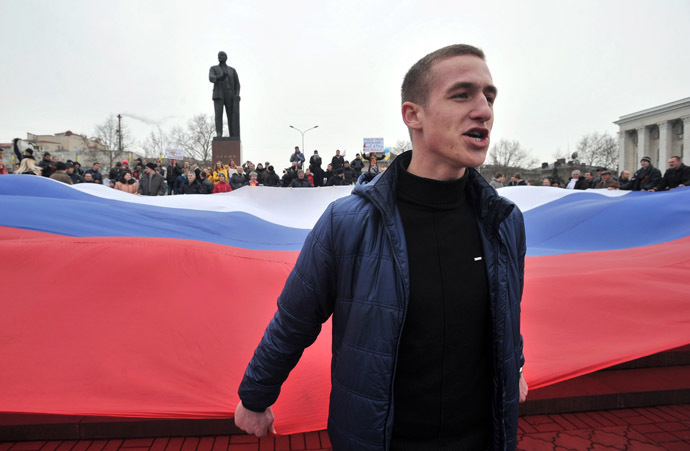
x=563, y=68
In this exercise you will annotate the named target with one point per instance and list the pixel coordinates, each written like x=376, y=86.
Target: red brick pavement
x=642, y=429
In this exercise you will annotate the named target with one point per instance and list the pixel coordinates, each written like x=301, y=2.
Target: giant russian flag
x=114, y=304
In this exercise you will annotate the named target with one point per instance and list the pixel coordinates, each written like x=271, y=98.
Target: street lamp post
x=302, y=133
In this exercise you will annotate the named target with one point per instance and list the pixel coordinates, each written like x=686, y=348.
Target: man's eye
x=462, y=95
x=490, y=99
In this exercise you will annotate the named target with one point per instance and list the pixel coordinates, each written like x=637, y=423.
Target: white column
x=664, y=144
x=622, y=157
x=686, y=140
x=641, y=145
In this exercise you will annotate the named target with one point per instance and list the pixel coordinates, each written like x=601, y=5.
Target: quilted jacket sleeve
x=305, y=303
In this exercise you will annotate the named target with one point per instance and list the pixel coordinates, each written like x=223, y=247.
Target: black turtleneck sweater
x=443, y=380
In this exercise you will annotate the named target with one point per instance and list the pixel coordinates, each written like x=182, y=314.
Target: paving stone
x=221, y=443
x=137, y=443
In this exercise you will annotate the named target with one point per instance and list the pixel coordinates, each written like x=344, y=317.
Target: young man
x=427, y=351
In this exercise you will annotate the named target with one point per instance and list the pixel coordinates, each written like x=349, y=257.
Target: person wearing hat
x=605, y=178
x=72, y=173
x=60, y=174
x=28, y=152
x=47, y=165
x=357, y=165
x=315, y=168
x=222, y=186
x=151, y=183
x=337, y=179
x=645, y=178
x=301, y=181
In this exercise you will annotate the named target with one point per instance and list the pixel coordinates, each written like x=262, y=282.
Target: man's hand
x=523, y=389
x=254, y=423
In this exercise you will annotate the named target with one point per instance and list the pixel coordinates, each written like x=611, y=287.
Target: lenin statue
x=226, y=93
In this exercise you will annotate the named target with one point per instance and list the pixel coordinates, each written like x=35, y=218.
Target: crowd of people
x=157, y=179
x=647, y=178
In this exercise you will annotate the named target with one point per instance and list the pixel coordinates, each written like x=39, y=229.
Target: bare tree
x=196, y=138
x=507, y=156
x=401, y=146
x=156, y=143
x=106, y=132
x=598, y=149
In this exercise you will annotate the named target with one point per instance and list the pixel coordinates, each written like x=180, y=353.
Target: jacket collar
x=491, y=208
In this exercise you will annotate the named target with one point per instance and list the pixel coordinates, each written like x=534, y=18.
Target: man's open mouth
x=478, y=134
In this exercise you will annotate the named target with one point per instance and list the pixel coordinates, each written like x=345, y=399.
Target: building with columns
x=658, y=132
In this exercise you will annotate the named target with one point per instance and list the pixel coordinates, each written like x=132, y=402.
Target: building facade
x=658, y=132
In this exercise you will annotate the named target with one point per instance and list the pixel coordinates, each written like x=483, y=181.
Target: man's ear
x=412, y=114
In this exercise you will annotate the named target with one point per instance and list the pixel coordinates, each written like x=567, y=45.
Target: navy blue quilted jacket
x=354, y=266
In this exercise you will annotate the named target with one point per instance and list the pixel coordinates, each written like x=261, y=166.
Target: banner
x=176, y=154
x=122, y=305
x=373, y=145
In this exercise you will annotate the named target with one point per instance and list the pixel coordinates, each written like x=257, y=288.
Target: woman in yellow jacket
x=217, y=170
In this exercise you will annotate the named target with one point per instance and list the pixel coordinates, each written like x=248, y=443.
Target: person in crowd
x=337, y=179
x=589, y=180
x=348, y=173
x=516, y=180
x=116, y=171
x=78, y=170
x=88, y=177
x=357, y=165
x=404, y=349
x=624, y=177
x=546, y=182
x=289, y=174
x=676, y=175
x=76, y=178
x=574, y=178
x=28, y=152
x=605, y=178
x=3, y=169
x=272, y=179
x=373, y=163
x=297, y=157
x=151, y=183
x=28, y=166
x=139, y=171
x=328, y=174
x=47, y=165
x=248, y=168
x=301, y=181
x=337, y=161
x=205, y=180
x=237, y=180
x=231, y=167
x=222, y=186
x=181, y=181
x=127, y=183
x=309, y=176
x=645, y=178
x=59, y=174
x=556, y=184
x=261, y=172
x=253, y=179
x=172, y=173
x=498, y=180
x=95, y=173
x=193, y=185
x=315, y=168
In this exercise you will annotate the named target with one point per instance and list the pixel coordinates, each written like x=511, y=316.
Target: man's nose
x=482, y=110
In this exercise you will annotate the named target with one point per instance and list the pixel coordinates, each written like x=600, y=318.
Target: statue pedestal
x=225, y=149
